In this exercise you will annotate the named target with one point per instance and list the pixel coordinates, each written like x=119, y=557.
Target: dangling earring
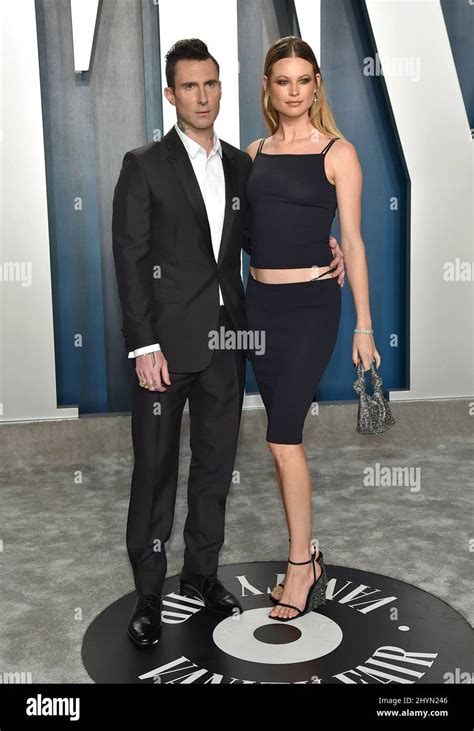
x=315, y=98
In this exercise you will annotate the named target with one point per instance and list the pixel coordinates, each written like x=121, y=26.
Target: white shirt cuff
x=143, y=351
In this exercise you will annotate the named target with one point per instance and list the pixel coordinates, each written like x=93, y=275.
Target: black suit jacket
x=166, y=270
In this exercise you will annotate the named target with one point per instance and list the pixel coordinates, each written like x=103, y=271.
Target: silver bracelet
x=362, y=330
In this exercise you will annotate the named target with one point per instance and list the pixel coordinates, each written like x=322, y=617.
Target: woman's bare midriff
x=289, y=276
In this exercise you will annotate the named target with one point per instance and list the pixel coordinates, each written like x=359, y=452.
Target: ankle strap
x=299, y=563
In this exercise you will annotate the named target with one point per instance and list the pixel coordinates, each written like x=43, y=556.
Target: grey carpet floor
x=64, y=499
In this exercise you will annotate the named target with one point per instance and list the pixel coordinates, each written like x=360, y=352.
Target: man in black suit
x=179, y=223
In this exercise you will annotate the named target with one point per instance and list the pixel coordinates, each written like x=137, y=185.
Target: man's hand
x=338, y=260
x=152, y=369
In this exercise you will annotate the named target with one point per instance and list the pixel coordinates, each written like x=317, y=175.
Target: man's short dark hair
x=191, y=49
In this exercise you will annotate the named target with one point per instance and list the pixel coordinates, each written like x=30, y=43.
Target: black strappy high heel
x=317, y=592
x=319, y=559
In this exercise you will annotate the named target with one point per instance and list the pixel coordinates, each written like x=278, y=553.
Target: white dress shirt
x=210, y=176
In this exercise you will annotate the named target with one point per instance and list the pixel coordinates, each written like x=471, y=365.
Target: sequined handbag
x=374, y=415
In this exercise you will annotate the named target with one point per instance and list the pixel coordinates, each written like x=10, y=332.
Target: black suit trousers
x=215, y=397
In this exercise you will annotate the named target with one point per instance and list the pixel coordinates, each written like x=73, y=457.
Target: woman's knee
x=283, y=453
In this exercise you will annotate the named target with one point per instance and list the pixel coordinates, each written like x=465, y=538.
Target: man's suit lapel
x=230, y=173
x=183, y=168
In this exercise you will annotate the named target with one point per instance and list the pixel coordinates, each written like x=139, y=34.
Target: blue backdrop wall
x=91, y=119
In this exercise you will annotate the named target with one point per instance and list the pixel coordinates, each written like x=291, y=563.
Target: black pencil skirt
x=298, y=324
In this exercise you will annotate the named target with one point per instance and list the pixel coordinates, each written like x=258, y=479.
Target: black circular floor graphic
x=373, y=629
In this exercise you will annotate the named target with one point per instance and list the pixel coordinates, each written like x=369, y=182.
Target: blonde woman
x=301, y=173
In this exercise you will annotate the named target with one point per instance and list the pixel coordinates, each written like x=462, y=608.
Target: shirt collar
x=193, y=147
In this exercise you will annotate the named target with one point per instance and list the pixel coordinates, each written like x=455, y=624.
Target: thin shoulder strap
x=331, y=142
x=261, y=144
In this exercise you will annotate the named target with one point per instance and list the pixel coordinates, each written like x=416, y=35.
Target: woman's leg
x=295, y=487
x=301, y=323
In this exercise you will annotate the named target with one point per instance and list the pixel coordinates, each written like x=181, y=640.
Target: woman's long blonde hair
x=319, y=113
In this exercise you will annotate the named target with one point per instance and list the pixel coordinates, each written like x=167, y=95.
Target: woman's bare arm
x=347, y=174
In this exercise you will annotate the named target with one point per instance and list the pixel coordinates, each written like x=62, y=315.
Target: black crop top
x=292, y=205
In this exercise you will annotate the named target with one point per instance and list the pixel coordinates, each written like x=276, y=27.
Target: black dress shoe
x=144, y=627
x=208, y=588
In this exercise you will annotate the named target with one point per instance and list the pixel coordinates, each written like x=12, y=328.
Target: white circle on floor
x=319, y=636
